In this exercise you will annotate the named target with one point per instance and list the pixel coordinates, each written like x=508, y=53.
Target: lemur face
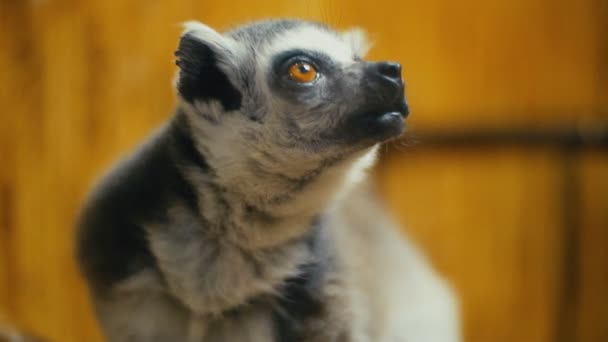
x=291, y=84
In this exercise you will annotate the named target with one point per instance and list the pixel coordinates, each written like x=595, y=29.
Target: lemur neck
x=260, y=198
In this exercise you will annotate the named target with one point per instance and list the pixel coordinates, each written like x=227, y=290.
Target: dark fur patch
x=112, y=243
x=301, y=297
x=200, y=77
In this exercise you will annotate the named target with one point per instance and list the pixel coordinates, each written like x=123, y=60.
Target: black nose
x=390, y=70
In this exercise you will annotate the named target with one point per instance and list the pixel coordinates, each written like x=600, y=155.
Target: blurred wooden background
x=519, y=228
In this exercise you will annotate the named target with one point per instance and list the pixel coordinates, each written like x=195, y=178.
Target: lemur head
x=286, y=94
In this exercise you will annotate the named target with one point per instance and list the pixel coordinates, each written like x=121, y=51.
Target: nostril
x=390, y=69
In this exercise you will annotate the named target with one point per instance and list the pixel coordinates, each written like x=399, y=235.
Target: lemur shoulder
x=246, y=217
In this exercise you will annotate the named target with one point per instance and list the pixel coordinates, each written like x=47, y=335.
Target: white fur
x=209, y=35
x=357, y=39
x=397, y=293
x=312, y=38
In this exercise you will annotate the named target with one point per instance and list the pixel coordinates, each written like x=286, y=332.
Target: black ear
x=200, y=77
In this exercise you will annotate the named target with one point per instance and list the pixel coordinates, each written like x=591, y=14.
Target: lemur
x=247, y=216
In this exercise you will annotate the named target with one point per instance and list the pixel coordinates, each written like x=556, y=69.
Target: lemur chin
x=246, y=216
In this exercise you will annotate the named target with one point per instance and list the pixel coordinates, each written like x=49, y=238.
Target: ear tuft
x=204, y=56
x=358, y=41
x=205, y=33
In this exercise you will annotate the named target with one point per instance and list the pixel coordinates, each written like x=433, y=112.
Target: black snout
x=387, y=75
x=381, y=112
x=387, y=87
x=390, y=70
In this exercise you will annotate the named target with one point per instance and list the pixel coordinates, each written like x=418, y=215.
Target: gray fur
x=211, y=231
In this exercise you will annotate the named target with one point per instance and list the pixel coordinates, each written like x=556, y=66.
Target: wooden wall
x=82, y=81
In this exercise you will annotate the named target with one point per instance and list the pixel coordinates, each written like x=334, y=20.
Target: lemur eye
x=302, y=72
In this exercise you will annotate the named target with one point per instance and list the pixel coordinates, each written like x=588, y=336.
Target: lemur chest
x=307, y=307
x=291, y=289
x=311, y=305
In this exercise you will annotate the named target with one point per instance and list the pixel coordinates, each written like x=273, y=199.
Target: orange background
x=520, y=230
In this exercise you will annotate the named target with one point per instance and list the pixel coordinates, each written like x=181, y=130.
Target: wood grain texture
x=592, y=310
x=81, y=82
x=490, y=227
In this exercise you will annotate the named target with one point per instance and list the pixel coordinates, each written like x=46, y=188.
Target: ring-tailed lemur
x=244, y=218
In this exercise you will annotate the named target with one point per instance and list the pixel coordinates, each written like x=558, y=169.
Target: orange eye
x=302, y=72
